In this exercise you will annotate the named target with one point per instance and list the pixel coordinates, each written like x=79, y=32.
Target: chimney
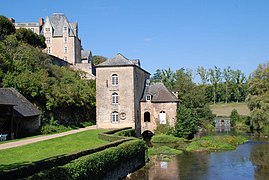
x=40, y=21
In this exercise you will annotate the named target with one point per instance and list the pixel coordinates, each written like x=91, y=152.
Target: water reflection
x=248, y=161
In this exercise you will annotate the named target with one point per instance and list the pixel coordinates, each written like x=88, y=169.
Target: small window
x=115, y=80
x=115, y=98
x=115, y=117
x=49, y=51
x=148, y=97
x=65, y=39
x=65, y=28
x=162, y=117
x=146, y=117
x=65, y=49
x=47, y=40
x=65, y=58
x=47, y=29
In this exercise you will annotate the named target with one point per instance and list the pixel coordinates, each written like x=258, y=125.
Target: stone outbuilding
x=125, y=97
x=18, y=116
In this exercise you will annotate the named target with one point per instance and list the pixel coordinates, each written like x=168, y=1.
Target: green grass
x=14, y=157
x=208, y=143
x=222, y=109
x=162, y=138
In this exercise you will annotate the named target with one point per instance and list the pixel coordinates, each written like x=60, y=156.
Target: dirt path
x=42, y=138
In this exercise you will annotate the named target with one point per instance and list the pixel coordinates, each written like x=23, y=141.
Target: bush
x=52, y=129
x=126, y=133
x=98, y=164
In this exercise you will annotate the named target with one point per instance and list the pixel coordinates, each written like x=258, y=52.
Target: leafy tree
x=214, y=78
x=235, y=117
x=168, y=78
x=258, y=98
x=186, y=124
x=203, y=74
x=29, y=37
x=6, y=27
x=98, y=59
x=227, y=77
x=157, y=77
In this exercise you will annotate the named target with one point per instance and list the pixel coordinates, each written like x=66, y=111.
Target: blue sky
x=164, y=33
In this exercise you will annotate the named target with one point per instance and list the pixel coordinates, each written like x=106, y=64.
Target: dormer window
x=148, y=97
x=115, y=80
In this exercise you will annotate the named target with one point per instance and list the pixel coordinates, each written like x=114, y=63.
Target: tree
x=258, y=97
x=186, y=124
x=98, y=59
x=168, y=78
x=235, y=117
x=157, y=77
x=227, y=77
x=29, y=37
x=6, y=27
x=214, y=78
x=203, y=74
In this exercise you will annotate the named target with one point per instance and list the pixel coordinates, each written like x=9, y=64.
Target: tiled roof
x=159, y=93
x=9, y=96
x=58, y=22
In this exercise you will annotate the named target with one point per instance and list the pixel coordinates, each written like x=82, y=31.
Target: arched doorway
x=162, y=117
x=146, y=117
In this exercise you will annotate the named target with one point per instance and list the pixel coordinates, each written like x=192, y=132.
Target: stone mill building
x=125, y=97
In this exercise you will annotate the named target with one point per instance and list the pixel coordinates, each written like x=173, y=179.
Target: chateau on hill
x=62, y=41
x=125, y=97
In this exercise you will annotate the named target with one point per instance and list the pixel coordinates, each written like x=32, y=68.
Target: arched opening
x=147, y=134
x=146, y=117
x=162, y=117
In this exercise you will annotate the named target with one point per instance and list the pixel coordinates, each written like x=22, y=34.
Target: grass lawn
x=222, y=109
x=14, y=157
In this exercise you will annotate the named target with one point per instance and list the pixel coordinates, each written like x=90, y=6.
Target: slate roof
x=9, y=96
x=159, y=93
x=118, y=60
x=85, y=54
x=58, y=21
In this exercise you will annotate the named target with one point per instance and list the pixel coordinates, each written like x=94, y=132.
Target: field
x=226, y=109
x=14, y=157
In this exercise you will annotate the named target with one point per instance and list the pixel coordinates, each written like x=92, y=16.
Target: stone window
x=115, y=80
x=148, y=97
x=146, y=117
x=162, y=117
x=65, y=29
x=65, y=58
x=47, y=29
x=115, y=98
x=65, y=39
x=47, y=40
x=49, y=50
x=65, y=49
x=115, y=117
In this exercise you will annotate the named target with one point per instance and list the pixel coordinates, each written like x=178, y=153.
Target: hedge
x=35, y=167
x=114, y=135
x=99, y=164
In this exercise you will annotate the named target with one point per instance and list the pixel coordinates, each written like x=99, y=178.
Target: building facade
x=121, y=88
x=61, y=38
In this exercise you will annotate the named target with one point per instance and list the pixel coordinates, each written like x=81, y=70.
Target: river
x=248, y=161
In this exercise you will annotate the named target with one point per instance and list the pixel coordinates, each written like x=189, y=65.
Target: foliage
x=126, y=133
x=98, y=59
x=208, y=143
x=163, y=138
x=157, y=77
x=163, y=129
x=168, y=78
x=186, y=124
x=6, y=27
x=98, y=164
x=55, y=90
x=235, y=117
x=29, y=37
x=258, y=98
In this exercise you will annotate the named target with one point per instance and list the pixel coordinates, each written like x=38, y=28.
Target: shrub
x=126, y=133
x=163, y=138
x=51, y=129
x=98, y=164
